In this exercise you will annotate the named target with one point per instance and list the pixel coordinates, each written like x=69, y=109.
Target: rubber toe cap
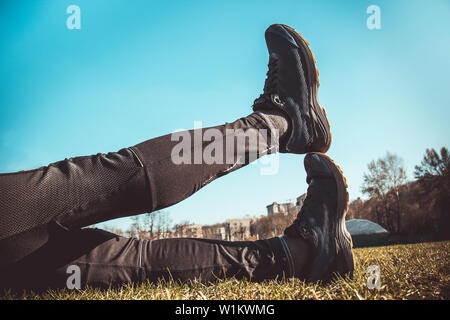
x=316, y=166
x=279, y=30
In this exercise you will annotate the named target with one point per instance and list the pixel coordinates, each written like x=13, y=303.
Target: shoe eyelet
x=276, y=99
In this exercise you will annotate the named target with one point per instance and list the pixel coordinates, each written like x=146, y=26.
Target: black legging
x=44, y=208
x=106, y=259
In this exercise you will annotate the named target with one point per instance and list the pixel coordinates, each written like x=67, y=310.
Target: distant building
x=287, y=207
x=164, y=235
x=217, y=231
x=276, y=208
x=238, y=229
x=192, y=231
x=221, y=233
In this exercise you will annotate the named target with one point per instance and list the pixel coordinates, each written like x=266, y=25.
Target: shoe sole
x=344, y=261
x=316, y=109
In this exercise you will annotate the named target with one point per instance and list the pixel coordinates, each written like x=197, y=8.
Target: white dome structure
x=366, y=233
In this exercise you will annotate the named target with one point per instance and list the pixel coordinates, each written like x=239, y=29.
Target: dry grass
x=416, y=271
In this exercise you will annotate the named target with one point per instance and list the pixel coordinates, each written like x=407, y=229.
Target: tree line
x=403, y=207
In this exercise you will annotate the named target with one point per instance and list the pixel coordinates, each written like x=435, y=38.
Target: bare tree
x=397, y=178
x=274, y=224
x=135, y=228
x=149, y=223
x=354, y=209
x=166, y=222
x=383, y=181
x=162, y=224
x=156, y=224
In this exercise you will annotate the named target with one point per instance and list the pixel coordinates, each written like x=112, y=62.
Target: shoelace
x=270, y=84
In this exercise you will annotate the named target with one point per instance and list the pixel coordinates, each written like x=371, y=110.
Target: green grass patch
x=415, y=271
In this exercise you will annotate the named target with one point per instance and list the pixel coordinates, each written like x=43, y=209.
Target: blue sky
x=140, y=69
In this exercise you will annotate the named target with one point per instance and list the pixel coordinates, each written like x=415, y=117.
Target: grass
x=415, y=271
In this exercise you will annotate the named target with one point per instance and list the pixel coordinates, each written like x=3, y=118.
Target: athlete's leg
x=81, y=191
x=104, y=259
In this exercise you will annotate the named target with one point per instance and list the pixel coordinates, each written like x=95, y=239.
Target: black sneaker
x=321, y=220
x=291, y=87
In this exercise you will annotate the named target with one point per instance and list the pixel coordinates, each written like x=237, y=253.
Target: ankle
x=274, y=120
x=301, y=252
